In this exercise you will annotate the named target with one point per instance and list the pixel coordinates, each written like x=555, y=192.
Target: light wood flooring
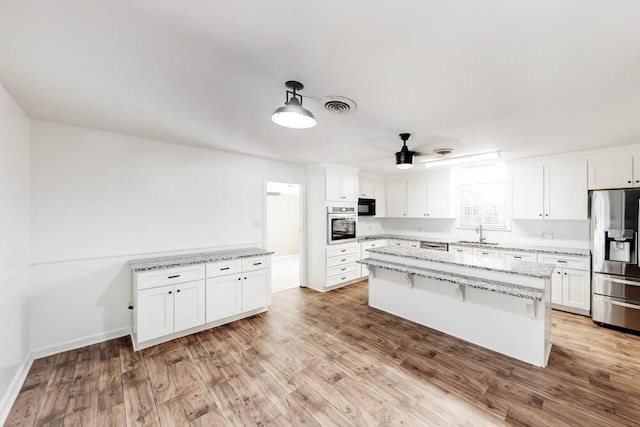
x=329, y=359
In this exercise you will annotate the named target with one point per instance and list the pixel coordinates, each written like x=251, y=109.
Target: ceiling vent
x=443, y=151
x=338, y=104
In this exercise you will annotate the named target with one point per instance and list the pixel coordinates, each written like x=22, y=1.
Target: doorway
x=284, y=234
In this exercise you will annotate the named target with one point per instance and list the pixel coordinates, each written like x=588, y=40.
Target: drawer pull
x=224, y=268
x=343, y=259
x=170, y=292
x=178, y=290
x=343, y=269
x=173, y=277
x=562, y=261
x=624, y=304
x=343, y=250
x=517, y=257
x=257, y=263
x=342, y=278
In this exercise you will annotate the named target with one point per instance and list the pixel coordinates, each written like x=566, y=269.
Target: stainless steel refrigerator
x=615, y=284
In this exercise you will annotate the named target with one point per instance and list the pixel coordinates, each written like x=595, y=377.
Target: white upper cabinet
x=366, y=189
x=381, y=199
x=341, y=185
x=417, y=198
x=439, y=195
x=565, y=189
x=527, y=192
x=614, y=171
x=427, y=196
x=397, y=199
x=552, y=191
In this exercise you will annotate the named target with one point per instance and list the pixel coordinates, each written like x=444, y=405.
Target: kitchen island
x=503, y=305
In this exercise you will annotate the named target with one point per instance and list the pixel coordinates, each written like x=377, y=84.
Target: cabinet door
x=154, y=313
x=609, y=171
x=417, y=198
x=566, y=191
x=527, y=192
x=349, y=187
x=366, y=189
x=556, y=286
x=256, y=290
x=224, y=297
x=333, y=184
x=396, y=199
x=636, y=170
x=576, y=289
x=189, y=305
x=439, y=196
x=381, y=199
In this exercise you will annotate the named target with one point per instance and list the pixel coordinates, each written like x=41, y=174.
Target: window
x=482, y=197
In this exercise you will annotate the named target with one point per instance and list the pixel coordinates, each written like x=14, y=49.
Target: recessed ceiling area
x=525, y=78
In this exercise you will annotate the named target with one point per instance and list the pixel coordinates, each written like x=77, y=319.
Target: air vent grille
x=338, y=104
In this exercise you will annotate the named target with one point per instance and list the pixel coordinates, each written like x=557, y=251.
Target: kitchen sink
x=475, y=242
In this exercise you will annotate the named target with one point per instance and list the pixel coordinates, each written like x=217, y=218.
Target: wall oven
x=366, y=207
x=341, y=224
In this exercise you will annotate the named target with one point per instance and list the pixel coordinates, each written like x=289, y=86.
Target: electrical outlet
x=546, y=235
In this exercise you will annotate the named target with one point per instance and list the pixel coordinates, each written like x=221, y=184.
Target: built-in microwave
x=366, y=207
x=341, y=224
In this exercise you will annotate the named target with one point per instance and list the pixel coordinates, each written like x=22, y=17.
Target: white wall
x=14, y=240
x=283, y=224
x=99, y=199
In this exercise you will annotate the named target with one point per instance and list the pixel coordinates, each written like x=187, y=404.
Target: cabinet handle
x=562, y=261
x=342, y=278
x=424, y=214
x=170, y=292
x=628, y=182
x=546, y=214
x=565, y=274
x=343, y=250
x=257, y=263
x=484, y=253
x=343, y=269
x=637, y=180
x=343, y=259
x=517, y=257
x=539, y=214
x=173, y=277
x=225, y=268
x=245, y=278
x=558, y=271
x=178, y=290
x=239, y=278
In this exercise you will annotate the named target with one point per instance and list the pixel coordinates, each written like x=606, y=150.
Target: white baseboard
x=80, y=342
x=11, y=394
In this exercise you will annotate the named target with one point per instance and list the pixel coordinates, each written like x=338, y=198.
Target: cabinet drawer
x=341, y=250
x=522, y=256
x=342, y=278
x=461, y=250
x=341, y=270
x=340, y=260
x=169, y=276
x=222, y=268
x=257, y=263
x=373, y=244
x=491, y=253
x=578, y=263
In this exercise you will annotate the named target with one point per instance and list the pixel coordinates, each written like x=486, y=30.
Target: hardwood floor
x=329, y=359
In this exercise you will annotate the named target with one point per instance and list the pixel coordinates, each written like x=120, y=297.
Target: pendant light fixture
x=293, y=114
x=404, y=157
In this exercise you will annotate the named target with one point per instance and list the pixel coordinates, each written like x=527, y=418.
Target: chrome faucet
x=481, y=239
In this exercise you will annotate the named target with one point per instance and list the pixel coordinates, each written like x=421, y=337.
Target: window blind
x=482, y=203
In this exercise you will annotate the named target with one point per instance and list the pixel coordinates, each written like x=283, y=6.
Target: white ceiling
x=524, y=77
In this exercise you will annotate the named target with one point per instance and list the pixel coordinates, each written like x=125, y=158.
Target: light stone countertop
x=458, y=279
x=552, y=250
x=198, y=258
x=512, y=266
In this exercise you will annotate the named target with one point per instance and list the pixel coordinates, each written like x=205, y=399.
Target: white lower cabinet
x=224, y=297
x=256, y=292
x=168, y=309
x=164, y=310
x=154, y=313
x=571, y=289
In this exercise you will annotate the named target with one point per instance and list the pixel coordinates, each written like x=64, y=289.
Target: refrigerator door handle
x=624, y=304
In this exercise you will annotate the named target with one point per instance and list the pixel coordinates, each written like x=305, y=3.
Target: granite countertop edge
x=516, y=267
x=552, y=250
x=519, y=291
x=157, y=263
